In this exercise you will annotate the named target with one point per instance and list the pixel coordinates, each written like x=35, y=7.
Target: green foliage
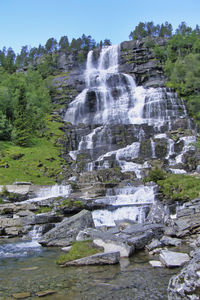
x=70, y=203
x=40, y=163
x=148, y=29
x=155, y=175
x=44, y=209
x=179, y=187
x=78, y=250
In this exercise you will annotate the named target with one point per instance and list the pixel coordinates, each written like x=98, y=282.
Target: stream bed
x=36, y=271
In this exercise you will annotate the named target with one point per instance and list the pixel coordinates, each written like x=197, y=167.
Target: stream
x=34, y=271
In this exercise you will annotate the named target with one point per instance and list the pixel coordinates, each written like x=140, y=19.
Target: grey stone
x=140, y=241
x=168, y=241
x=154, y=244
x=156, y=263
x=186, y=284
x=66, y=231
x=173, y=259
x=158, y=213
x=109, y=245
x=106, y=258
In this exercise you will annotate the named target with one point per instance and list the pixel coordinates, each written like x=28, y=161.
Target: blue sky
x=31, y=22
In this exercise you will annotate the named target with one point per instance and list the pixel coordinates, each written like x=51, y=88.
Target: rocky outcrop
x=186, y=285
x=66, y=231
x=138, y=60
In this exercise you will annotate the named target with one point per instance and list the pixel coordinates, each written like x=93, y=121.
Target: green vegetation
x=155, y=175
x=78, y=250
x=70, y=203
x=179, y=187
x=39, y=163
x=43, y=209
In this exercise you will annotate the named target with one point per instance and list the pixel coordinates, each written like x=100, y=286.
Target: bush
x=155, y=175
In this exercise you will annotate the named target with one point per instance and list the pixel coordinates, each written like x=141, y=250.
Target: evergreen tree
x=21, y=134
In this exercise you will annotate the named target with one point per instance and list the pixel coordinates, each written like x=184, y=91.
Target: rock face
x=106, y=258
x=66, y=231
x=186, y=285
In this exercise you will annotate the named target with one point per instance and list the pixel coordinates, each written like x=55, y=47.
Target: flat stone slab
x=156, y=264
x=106, y=258
x=173, y=259
x=168, y=241
x=21, y=295
x=45, y=293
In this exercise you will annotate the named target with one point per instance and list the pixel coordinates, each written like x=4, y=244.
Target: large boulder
x=66, y=231
x=106, y=258
x=186, y=285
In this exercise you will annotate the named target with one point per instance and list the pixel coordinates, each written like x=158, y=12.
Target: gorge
x=120, y=122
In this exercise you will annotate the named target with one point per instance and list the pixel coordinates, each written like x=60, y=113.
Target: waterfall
x=111, y=98
x=51, y=191
x=127, y=203
x=28, y=247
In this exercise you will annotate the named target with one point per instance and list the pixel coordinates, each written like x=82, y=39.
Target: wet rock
x=158, y=213
x=173, y=259
x=153, y=245
x=45, y=293
x=106, y=258
x=140, y=241
x=113, y=244
x=21, y=295
x=168, y=241
x=156, y=263
x=186, y=285
x=66, y=231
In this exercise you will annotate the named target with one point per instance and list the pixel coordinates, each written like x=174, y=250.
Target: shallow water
x=132, y=279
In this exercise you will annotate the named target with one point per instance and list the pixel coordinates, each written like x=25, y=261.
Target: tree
x=107, y=42
x=5, y=128
x=183, y=29
x=64, y=43
x=22, y=134
x=51, y=45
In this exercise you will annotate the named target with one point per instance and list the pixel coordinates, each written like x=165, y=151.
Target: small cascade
x=52, y=191
x=127, y=203
x=26, y=248
x=153, y=148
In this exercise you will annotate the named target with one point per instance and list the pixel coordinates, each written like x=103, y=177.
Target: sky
x=33, y=22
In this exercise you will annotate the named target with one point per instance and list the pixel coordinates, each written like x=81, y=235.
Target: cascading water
x=127, y=203
x=28, y=247
x=112, y=103
x=52, y=191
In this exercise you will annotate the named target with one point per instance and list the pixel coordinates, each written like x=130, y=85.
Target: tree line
x=11, y=61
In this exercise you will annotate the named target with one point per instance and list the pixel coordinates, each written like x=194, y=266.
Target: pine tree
x=22, y=133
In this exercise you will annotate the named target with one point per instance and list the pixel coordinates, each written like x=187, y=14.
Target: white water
x=128, y=203
x=23, y=249
x=111, y=97
x=52, y=191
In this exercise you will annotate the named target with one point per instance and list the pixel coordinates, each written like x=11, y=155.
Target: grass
x=43, y=209
x=179, y=187
x=39, y=163
x=78, y=250
x=69, y=203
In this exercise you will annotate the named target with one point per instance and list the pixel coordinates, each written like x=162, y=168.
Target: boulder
x=112, y=244
x=173, y=259
x=140, y=241
x=186, y=285
x=106, y=258
x=66, y=231
x=158, y=213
